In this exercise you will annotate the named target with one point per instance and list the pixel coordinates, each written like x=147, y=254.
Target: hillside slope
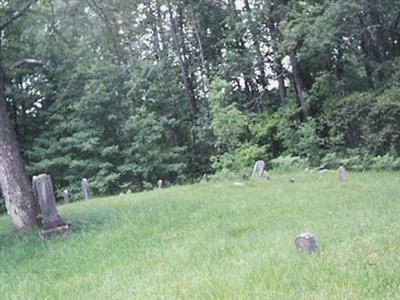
x=218, y=240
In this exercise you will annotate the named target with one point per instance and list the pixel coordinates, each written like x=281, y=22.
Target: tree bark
x=181, y=53
x=278, y=69
x=298, y=83
x=14, y=182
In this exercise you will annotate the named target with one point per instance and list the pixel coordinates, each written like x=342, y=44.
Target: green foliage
x=239, y=161
x=368, y=121
x=362, y=162
x=228, y=123
x=386, y=162
x=289, y=162
x=124, y=99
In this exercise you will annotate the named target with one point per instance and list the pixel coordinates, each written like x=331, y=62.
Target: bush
x=240, y=161
x=289, y=163
x=358, y=162
x=386, y=162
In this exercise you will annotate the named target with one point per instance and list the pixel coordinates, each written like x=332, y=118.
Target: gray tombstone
x=342, y=175
x=66, y=197
x=86, y=190
x=51, y=221
x=36, y=201
x=159, y=183
x=258, y=170
x=306, y=243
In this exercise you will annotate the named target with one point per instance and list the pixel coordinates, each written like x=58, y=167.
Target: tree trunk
x=181, y=53
x=278, y=68
x=298, y=84
x=14, y=182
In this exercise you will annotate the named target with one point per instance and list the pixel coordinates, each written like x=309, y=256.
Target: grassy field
x=218, y=241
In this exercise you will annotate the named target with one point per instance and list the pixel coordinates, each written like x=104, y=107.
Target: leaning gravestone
x=258, y=170
x=36, y=202
x=51, y=221
x=159, y=183
x=306, y=243
x=66, y=196
x=342, y=175
x=86, y=190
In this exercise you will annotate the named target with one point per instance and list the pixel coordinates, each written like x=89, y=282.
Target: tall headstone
x=342, y=175
x=306, y=243
x=36, y=201
x=258, y=170
x=66, y=197
x=159, y=183
x=86, y=190
x=51, y=221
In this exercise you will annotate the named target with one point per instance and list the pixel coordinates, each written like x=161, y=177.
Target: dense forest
x=124, y=92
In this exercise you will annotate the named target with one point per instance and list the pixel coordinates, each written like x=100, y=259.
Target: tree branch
x=26, y=62
x=17, y=14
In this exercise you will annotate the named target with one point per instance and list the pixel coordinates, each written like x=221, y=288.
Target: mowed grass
x=218, y=241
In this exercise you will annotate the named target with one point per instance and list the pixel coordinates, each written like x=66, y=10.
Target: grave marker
x=342, y=175
x=86, y=190
x=306, y=243
x=51, y=221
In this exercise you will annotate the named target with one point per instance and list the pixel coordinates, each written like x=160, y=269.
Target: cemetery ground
x=218, y=240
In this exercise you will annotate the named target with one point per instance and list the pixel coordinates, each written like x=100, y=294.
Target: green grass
x=218, y=241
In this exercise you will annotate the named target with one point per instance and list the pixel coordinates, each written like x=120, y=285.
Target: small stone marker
x=306, y=243
x=258, y=170
x=342, y=175
x=51, y=221
x=292, y=180
x=66, y=196
x=159, y=183
x=86, y=190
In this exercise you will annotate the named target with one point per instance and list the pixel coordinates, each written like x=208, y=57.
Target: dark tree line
x=131, y=91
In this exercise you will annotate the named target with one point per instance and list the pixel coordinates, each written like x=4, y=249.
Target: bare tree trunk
x=377, y=31
x=298, y=83
x=181, y=53
x=14, y=182
x=202, y=57
x=278, y=69
x=260, y=64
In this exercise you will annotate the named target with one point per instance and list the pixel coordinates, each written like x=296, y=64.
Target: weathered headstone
x=86, y=190
x=342, y=175
x=36, y=201
x=51, y=221
x=66, y=196
x=306, y=243
x=258, y=170
x=159, y=183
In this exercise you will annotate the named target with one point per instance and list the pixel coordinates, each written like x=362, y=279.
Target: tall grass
x=218, y=241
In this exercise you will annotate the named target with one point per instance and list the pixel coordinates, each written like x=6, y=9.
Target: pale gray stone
x=306, y=243
x=66, y=197
x=342, y=175
x=86, y=190
x=159, y=183
x=258, y=170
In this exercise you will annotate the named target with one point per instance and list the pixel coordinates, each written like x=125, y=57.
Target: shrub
x=240, y=161
x=289, y=163
x=385, y=162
